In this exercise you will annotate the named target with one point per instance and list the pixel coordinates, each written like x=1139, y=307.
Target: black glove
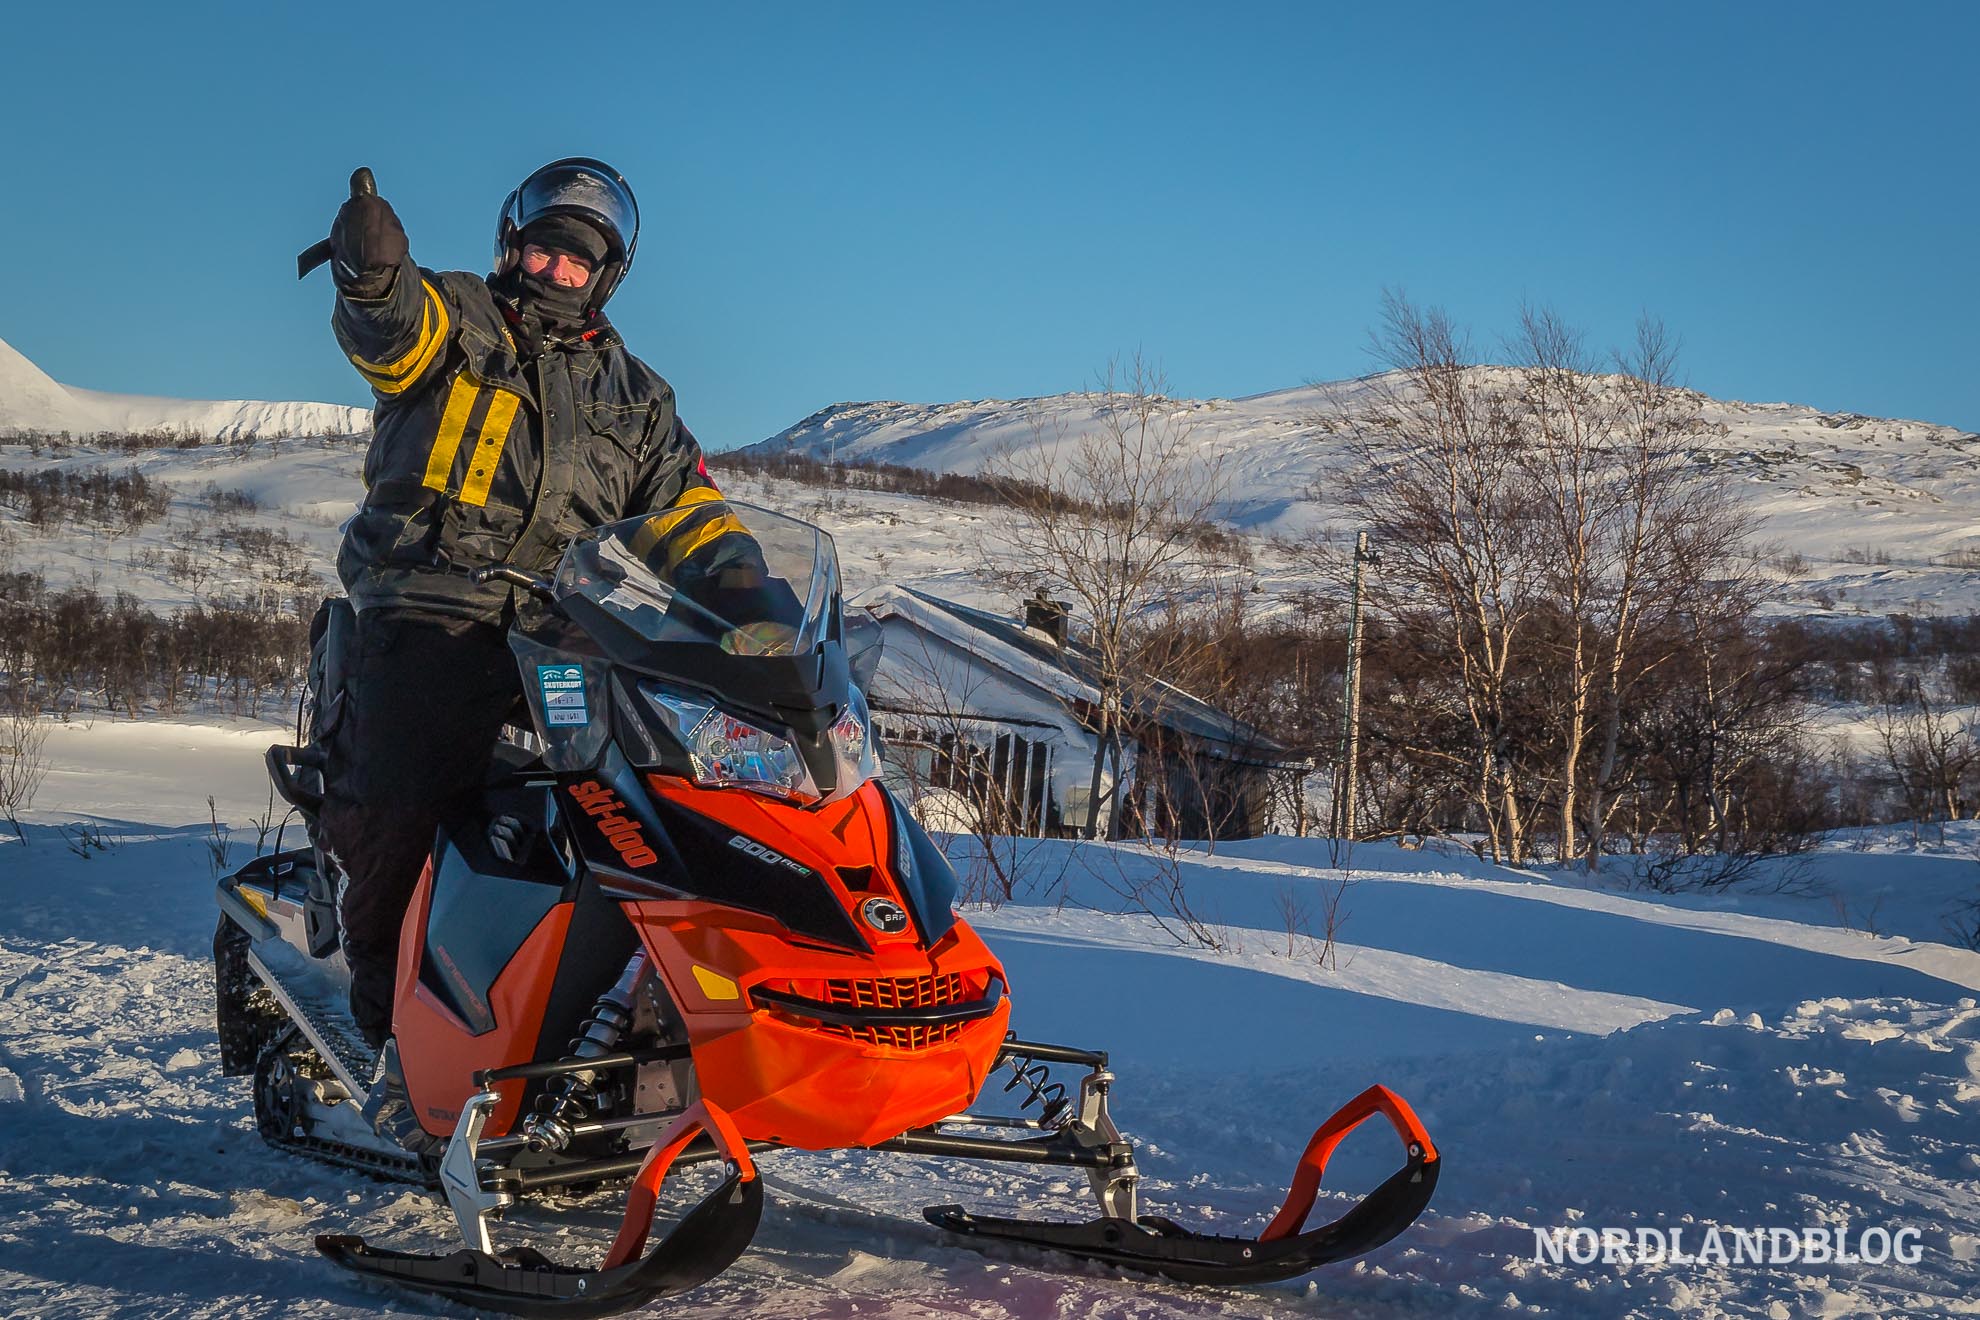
x=367, y=245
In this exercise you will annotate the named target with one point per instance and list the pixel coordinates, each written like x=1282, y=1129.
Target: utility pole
x=1344, y=814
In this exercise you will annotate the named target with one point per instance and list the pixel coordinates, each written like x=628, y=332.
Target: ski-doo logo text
x=621, y=831
x=1726, y=1246
x=763, y=854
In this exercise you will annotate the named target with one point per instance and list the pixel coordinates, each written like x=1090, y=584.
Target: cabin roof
x=1069, y=673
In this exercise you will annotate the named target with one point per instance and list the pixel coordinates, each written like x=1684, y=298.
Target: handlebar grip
x=362, y=184
x=534, y=583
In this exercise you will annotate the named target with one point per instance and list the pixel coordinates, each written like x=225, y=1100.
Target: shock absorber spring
x=569, y=1097
x=1040, y=1089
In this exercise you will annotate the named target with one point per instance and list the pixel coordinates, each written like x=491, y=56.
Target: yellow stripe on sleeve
x=453, y=425
x=688, y=543
x=655, y=530
x=395, y=376
x=488, y=449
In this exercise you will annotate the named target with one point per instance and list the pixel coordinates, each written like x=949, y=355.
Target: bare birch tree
x=1117, y=518
x=1437, y=480
x=1633, y=535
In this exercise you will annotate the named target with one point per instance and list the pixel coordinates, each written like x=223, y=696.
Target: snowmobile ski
x=522, y=1281
x=1152, y=1244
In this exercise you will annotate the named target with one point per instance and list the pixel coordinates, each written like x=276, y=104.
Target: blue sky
x=943, y=201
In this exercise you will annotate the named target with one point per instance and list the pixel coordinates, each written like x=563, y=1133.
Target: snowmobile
x=689, y=923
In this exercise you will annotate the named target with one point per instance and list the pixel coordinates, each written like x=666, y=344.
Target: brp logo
x=884, y=915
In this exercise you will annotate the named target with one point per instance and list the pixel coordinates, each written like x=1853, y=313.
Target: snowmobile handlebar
x=534, y=583
x=362, y=185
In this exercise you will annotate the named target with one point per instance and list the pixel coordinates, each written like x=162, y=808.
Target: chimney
x=1047, y=616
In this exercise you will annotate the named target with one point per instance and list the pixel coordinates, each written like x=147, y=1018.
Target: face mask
x=558, y=307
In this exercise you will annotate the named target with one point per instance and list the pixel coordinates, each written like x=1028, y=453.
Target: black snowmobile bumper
x=1155, y=1245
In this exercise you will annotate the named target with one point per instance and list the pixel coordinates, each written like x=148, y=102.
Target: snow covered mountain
x=1894, y=504
x=31, y=400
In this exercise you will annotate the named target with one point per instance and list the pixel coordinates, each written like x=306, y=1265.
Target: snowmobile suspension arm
x=558, y=1067
x=910, y=1143
x=921, y=1142
x=1043, y=1053
x=1014, y=1152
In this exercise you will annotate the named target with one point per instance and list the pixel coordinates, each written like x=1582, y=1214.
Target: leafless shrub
x=1295, y=916
x=119, y=501
x=265, y=824
x=1154, y=883
x=1862, y=919
x=218, y=839
x=1333, y=917
x=86, y=838
x=1932, y=753
x=228, y=502
x=1296, y=920
x=23, y=765
x=240, y=652
x=884, y=478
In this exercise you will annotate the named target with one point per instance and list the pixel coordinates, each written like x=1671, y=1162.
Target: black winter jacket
x=481, y=454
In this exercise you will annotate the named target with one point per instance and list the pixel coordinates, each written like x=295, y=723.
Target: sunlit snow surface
x=1583, y=1055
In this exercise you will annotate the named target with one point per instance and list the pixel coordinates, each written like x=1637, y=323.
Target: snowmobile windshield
x=710, y=571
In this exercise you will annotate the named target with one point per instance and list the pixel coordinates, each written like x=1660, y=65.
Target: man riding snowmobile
x=510, y=417
x=682, y=920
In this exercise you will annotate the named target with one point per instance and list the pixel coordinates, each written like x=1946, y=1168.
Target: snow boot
x=388, y=1112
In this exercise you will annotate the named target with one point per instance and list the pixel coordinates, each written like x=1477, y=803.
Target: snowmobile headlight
x=856, y=758
x=725, y=751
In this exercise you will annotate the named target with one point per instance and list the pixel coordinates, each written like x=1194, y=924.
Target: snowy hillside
x=1585, y=1059
x=1885, y=514
x=30, y=401
x=301, y=492
x=1871, y=516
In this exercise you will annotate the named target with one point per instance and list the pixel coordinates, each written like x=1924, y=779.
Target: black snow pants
x=426, y=696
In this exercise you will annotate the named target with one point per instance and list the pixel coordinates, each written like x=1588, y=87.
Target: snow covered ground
x=1584, y=1055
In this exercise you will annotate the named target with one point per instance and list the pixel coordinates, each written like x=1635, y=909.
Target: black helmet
x=580, y=186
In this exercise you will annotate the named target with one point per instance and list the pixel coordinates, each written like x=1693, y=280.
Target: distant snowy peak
x=30, y=400
x=1280, y=448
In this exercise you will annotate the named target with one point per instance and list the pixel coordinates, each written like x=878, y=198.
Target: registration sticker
x=563, y=694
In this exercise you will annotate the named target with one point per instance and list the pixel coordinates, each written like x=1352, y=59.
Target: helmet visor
x=583, y=187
